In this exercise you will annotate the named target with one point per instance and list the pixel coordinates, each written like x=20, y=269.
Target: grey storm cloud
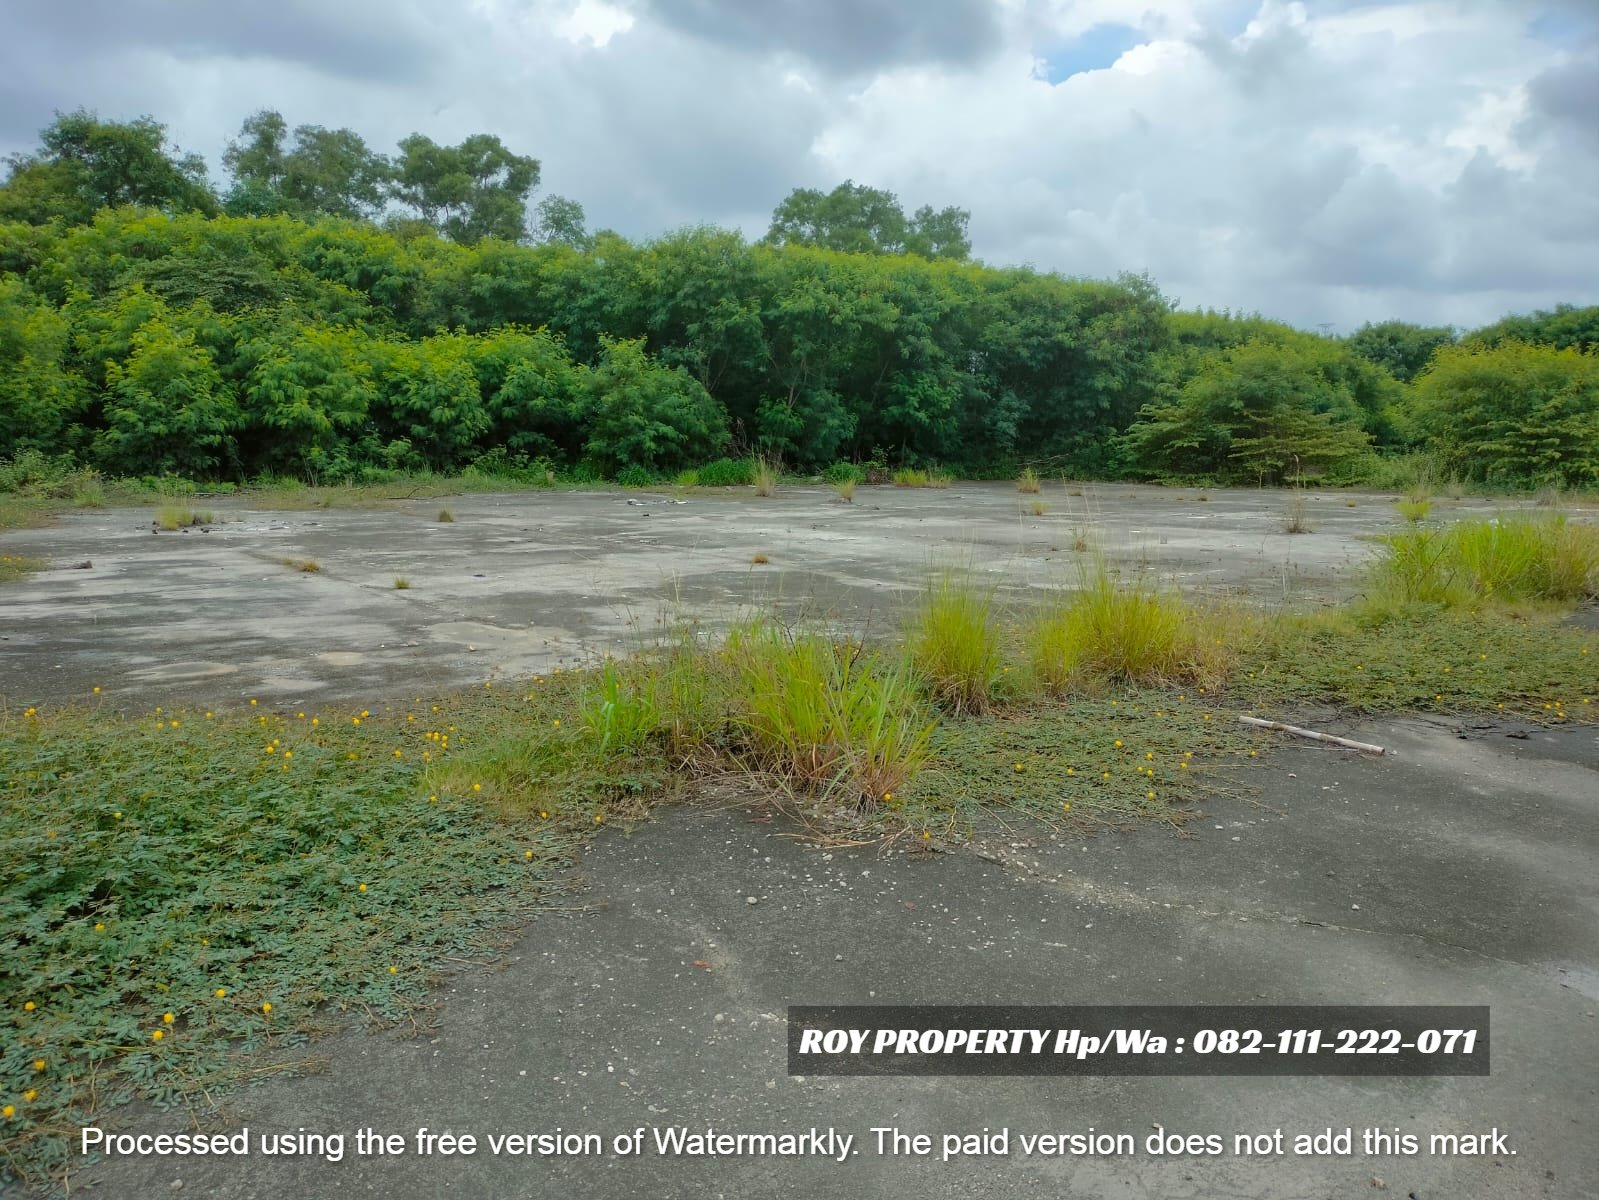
x=363, y=38
x=1323, y=161
x=844, y=36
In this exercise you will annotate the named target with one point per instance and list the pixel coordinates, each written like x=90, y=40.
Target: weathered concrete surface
x=522, y=582
x=1455, y=871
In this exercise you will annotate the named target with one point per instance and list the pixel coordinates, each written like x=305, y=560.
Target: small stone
x=751, y=900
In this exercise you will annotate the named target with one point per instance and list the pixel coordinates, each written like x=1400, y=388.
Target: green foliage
x=1400, y=348
x=170, y=864
x=649, y=416
x=1257, y=412
x=864, y=220
x=1565, y=327
x=619, y=711
x=85, y=164
x=39, y=394
x=727, y=472
x=1514, y=413
x=469, y=192
x=326, y=172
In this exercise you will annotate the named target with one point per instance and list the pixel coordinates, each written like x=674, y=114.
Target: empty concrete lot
x=524, y=582
x=1458, y=869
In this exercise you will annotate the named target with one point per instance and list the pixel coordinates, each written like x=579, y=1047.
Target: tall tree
x=866, y=220
x=559, y=221
x=469, y=192
x=326, y=171
x=85, y=164
x=1404, y=349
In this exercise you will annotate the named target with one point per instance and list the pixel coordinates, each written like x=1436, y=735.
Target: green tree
x=469, y=192
x=559, y=221
x=1565, y=327
x=1399, y=347
x=1513, y=413
x=167, y=410
x=307, y=398
x=1259, y=412
x=866, y=220
x=85, y=164
x=326, y=171
x=650, y=416
x=39, y=395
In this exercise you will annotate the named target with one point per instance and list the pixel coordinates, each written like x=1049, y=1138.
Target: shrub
x=842, y=472
x=1515, y=413
x=727, y=472
x=635, y=477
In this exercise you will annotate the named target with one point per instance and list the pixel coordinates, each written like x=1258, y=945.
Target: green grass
x=1414, y=511
x=181, y=516
x=173, y=863
x=917, y=477
x=1132, y=632
x=954, y=641
x=18, y=566
x=401, y=584
x=1027, y=482
x=1510, y=559
x=845, y=489
x=446, y=516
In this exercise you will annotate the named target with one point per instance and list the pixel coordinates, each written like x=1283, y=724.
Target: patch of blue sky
x=1094, y=50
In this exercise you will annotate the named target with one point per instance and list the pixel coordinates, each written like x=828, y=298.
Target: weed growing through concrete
x=401, y=584
x=446, y=516
x=1296, y=514
x=767, y=474
x=954, y=642
x=1414, y=511
x=1027, y=482
x=759, y=560
x=1038, y=508
x=845, y=489
x=17, y=566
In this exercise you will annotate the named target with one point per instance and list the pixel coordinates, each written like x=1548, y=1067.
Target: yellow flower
x=252, y=702
x=157, y=1034
x=288, y=754
x=1070, y=771
x=8, y=1112
x=117, y=814
x=96, y=691
x=1118, y=743
x=31, y=1094
x=1018, y=766
x=1150, y=795
x=1066, y=807
x=477, y=787
x=545, y=816
x=361, y=888
x=394, y=970
x=433, y=799
x=99, y=926
x=39, y=1064
x=167, y=1018
x=556, y=722
x=1182, y=766
x=355, y=720
x=316, y=720
x=299, y=716
x=208, y=714
x=266, y=1007
x=599, y=818
x=527, y=854
x=29, y=1006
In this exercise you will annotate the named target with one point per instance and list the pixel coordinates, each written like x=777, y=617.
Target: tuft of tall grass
x=619, y=710
x=767, y=473
x=954, y=642
x=845, y=489
x=1507, y=560
x=1414, y=511
x=824, y=717
x=1027, y=482
x=1296, y=515
x=1133, y=632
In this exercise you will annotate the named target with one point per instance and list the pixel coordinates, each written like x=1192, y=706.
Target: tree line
x=336, y=313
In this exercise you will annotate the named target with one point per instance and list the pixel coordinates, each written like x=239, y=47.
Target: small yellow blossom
x=266, y=1007
x=157, y=1034
x=30, y=1095
x=29, y=1006
x=167, y=1018
x=8, y=1112
x=361, y=888
x=220, y=992
x=39, y=1064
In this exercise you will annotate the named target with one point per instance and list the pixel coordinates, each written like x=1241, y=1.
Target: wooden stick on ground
x=1346, y=743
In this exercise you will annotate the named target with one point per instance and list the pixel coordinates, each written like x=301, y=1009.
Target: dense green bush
x=1514, y=413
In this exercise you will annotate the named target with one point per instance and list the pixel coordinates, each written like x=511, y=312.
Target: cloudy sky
x=1330, y=161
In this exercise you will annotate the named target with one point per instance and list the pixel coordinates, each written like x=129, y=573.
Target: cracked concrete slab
x=524, y=582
